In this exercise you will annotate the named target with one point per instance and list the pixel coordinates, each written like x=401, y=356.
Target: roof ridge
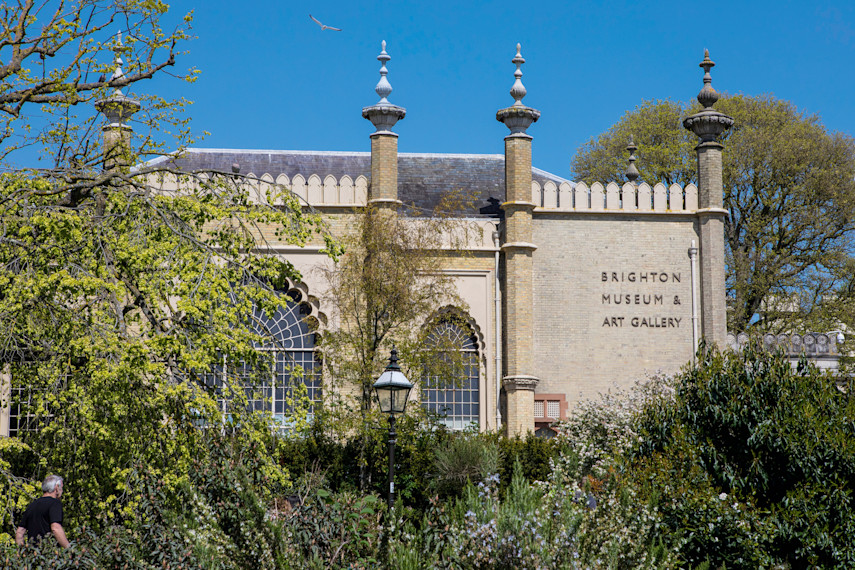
x=201, y=150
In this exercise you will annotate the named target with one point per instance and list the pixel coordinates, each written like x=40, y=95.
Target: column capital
x=520, y=382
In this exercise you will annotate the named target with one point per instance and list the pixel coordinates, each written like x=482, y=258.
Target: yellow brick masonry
x=711, y=214
x=518, y=380
x=384, y=169
x=117, y=140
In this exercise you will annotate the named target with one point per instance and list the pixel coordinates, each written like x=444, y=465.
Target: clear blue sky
x=271, y=79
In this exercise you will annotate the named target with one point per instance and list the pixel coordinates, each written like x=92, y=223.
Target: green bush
x=218, y=517
x=534, y=455
x=334, y=530
x=753, y=461
x=339, y=459
x=465, y=458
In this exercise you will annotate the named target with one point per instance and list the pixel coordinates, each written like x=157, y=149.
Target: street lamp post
x=392, y=389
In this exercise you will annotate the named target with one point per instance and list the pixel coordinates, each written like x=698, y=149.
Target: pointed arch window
x=455, y=399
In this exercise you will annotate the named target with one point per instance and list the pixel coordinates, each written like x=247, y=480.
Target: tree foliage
x=386, y=289
x=118, y=298
x=753, y=461
x=56, y=58
x=789, y=185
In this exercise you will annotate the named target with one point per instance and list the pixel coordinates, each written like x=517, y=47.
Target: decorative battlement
x=626, y=198
x=809, y=344
x=326, y=192
x=332, y=192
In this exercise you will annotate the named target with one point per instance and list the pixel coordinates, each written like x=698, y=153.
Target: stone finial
x=707, y=96
x=384, y=88
x=631, y=171
x=118, y=107
x=383, y=115
x=708, y=124
x=518, y=117
x=518, y=89
x=118, y=47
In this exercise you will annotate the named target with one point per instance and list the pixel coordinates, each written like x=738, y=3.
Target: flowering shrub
x=752, y=462
x=553, y=524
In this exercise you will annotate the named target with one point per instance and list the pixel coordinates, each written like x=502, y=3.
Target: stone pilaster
x=520, y=412
x=711, y=216
x=518, y=381
x=117, y=146
x=708, y=125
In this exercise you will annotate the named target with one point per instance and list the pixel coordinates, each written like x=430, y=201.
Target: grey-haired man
x=44, y=515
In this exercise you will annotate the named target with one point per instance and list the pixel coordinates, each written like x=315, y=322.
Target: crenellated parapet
x=329, y=191
x=612, y=197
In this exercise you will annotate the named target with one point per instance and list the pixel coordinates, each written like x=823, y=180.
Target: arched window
x=454, y=399
x=293, y=360
x=290, y=345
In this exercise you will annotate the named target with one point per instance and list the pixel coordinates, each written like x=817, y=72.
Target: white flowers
x=723, y=497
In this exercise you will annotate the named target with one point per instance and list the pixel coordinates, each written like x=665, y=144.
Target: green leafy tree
x=384, y=292
x=752, y=461
x=117, y=297
x=789, y=186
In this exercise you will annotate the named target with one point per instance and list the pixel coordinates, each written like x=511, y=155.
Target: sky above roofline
x=271, y=78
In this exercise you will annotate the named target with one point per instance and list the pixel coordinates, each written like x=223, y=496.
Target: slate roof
x=422, y=178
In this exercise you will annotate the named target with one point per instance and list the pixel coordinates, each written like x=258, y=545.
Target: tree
x=54, y=56
x=384, y=292
x=117, y=298
x=752, y=461
x=789, y=186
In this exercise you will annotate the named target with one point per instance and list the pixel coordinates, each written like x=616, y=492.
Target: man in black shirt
x=44, y=515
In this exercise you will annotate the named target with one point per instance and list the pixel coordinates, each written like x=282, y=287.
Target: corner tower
x=518, y=381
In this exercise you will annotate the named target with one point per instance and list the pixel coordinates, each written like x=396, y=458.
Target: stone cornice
x=521, y=382
x=713, y=212
x=392, y=201
x=519, y=245
x=518, y=204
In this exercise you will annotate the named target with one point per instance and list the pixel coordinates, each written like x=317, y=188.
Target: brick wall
x=584, y=343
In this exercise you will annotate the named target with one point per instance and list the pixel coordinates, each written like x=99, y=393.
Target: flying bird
x=324, y=26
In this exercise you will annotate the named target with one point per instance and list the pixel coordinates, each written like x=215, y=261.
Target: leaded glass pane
x=291, y=361
x=457, y=402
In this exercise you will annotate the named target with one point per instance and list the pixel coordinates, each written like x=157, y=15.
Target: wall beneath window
x=612, y=299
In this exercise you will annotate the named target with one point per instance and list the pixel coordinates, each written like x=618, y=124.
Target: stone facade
x=613, y=298
x=585, y=287
x=596, y=285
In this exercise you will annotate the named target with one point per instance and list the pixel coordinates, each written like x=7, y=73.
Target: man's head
x=51, y=484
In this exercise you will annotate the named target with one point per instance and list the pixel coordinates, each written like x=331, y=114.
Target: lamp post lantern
x=392, y=389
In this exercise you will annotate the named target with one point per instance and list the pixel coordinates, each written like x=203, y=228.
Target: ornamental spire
x=631, y=171
x=118, y=107
x=384, y=88
x=518, y=117
x=708, y=123
x=118, y=47
x=383, y=115
x=708, y=96
x=518, y=90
